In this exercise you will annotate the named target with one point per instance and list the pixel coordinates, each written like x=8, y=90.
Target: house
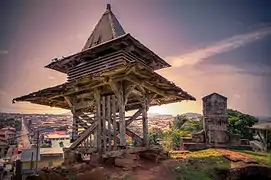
x=3, y=149
x=55, y=136
x=51, y=157
x=28, y=159
x=47, y=157
x=9, y=134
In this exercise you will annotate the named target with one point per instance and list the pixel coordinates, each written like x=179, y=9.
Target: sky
x=221, y=46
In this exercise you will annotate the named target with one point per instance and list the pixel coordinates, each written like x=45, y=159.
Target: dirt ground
x=183, y=166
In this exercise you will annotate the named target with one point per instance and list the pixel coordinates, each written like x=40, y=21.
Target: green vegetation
x=11, y=123
x=181, y=127
x=240, y=123
x=260, y=157
x=200, y=165
x=45, y=145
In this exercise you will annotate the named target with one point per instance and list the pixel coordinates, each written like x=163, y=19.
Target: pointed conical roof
x=107, y=28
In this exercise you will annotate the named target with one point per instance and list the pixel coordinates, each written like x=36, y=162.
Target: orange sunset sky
x=210, y=49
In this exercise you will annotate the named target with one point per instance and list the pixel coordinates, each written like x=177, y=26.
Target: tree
x=10, y=122
x=45, y=145
x=154, y=136
x=179, y=121
x=240, y=123
x=171, y=137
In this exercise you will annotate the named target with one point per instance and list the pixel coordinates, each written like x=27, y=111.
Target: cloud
x=77, y=37
x=3, y=52
x=236, y=96
x=226, y=45
x=51, y=77
x=3, y=93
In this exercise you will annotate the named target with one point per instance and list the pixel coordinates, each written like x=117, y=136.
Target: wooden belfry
x=113, y=74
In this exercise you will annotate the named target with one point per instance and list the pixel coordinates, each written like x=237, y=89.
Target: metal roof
x=107, y=28
x=53, y=150
x=29, y=154
x=262, y=126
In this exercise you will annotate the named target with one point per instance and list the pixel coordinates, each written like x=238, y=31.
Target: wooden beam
x=95, y=82
x=69, y=101
x=138, y=93
x=97, y=97
x=145, y=121
x=85, y=134
x=132, y=69
x=147, y=86
x=114, y=121
x=114, y=87
x=104, y=124
x=133, y=117
x=108, y=117
x=118, y=89
x=83, y=105
x=128, y=90
x=121, y=115
x=84, y=117
x=85, y=95
x=134, y=136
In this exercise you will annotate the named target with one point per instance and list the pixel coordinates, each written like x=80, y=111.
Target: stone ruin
x=215, y=126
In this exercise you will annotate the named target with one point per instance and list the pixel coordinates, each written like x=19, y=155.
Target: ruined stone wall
x=215, y=119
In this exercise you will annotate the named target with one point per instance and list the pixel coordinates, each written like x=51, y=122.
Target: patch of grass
x=197, y=154
x=260, y=157
x=200, y=165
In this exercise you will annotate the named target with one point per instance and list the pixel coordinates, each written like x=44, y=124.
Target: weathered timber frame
x=110, y=127
x=108, y=78
x=99, y=105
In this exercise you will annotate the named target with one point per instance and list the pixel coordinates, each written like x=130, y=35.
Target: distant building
x=28, y=159
x=51, y=157
x=56, y=136
x=3, y=149
x=215, y=119
x=47, y=157
x=9, y=134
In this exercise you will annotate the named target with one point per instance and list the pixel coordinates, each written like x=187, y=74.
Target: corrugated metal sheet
x=29, y=154
x=53, y=150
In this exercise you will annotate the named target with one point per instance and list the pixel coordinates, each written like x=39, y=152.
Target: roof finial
x=108, y=7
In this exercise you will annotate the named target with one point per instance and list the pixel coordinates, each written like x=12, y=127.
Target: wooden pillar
x=97, y=97
x=104, y=125
x=114, y=121
x=118, y=89
x=108, y=117
x=145, y=121
x=121, y=108
x=74, y=127
x=95, y=139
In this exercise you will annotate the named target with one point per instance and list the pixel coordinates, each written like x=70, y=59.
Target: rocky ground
x=183, y=165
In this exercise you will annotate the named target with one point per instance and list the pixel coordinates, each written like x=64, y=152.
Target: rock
x=131, y=156
x=95, y=160
x=150, y=156
x=244, y=172
x=95, y=174
x=127, y=162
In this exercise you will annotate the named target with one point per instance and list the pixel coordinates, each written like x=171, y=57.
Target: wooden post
x=74, y=127
x=114, y=121
x=121, y=105
x=104, y=124
x=145, y=121
x=108, y=117
x=97, y=97
x=118, y=89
